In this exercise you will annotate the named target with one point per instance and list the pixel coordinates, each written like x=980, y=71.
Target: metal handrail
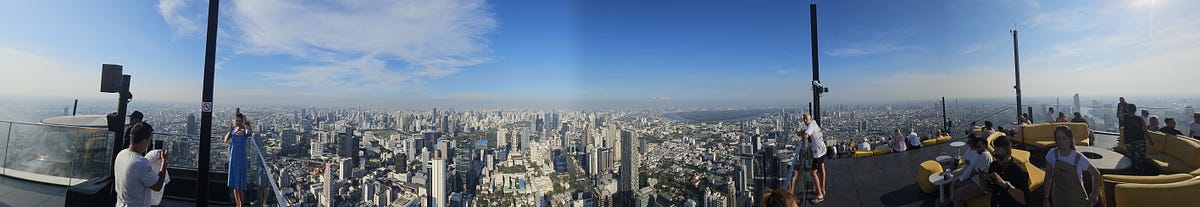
x=279, y=197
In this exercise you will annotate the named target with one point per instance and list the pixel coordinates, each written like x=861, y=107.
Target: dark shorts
x=816, y=163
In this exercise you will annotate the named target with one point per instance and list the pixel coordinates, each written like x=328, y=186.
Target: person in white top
x=1194, y=128
x=914, y=141
x=976, y=162
x=1050, y=115
x=1145, y=117
x=1065, y=171
x=865, y=145
x=813, y=133
x=133, y=175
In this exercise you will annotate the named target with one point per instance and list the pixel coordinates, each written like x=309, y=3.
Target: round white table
x=1104, y=159
x=941, y=179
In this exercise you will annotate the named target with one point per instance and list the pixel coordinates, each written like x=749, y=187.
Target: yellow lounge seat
x=929, y=142
x=1110, y=182
x=927, y=168
x=943, y=139
x=881, y=151
x=860, y=153
x=1167, y=194
x=1041, y=135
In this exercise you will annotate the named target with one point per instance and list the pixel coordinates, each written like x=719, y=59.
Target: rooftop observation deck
x=40, y=161
x=891, y=179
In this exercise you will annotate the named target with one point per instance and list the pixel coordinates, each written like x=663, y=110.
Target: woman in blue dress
x=239, y=131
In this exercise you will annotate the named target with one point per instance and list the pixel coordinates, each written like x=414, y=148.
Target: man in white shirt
x=865, y=145
x=813, y=133
x=133, y=174
x=1050, y=115
x=1145, y=117
x=1194, y=128
x=914, y=141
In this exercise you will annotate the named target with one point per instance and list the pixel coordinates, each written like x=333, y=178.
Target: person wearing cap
x=134, y=119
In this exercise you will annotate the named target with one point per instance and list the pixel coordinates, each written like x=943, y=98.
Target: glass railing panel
x=5, y=130
x=56, y=154
x=184, y=148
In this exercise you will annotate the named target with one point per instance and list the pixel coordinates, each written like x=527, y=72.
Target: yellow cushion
x=881, y=151
x=1111, y=180
x=1169, y=164
x=862, y=153
x=993, y=138
x=1184, y=150
x=927, y=168
x=1158, y=138
x=928, y=142
x=1169, y=194
x=943, y=139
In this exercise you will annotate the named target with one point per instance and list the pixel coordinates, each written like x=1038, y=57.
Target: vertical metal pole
x=75, y=108
x=210, y=52
x=1017, y=67
x=945, y=121
x=816, y=70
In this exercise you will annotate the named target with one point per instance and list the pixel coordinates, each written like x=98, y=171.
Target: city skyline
x=610, y=53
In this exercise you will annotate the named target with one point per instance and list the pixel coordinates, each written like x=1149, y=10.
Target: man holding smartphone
x=135, y=178
x=1008, y=180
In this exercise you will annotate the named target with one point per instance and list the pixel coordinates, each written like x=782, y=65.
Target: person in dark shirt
x=1135, y=132
x=1170, y=127
x=1078, y=118
x=1007, y=179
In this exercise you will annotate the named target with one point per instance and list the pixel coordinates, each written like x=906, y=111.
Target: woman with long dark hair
x=239, y=131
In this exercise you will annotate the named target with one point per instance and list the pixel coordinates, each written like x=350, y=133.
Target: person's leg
x=821, y=183
x=795, y=176
x=966, y=193
x=237, y=197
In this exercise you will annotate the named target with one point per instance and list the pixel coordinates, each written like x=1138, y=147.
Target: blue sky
x=577, y=53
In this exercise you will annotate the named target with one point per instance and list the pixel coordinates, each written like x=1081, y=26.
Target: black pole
x=1017, y=66
x=945, y=122
x=210, y=52
x=122, y=106
x=75, y=108
x=816, y=70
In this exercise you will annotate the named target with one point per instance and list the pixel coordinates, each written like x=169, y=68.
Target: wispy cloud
x=870, y=49
x=358, y=45
x=784, y=71
x=182, y=24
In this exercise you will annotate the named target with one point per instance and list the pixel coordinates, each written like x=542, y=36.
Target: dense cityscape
x=651, y=157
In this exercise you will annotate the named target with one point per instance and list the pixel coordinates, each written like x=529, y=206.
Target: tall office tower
x=437, y=181
x=628, y=172
x=525, y=139
x=348, y=145
x=192, y=126
x=587, y=136
x=327, y=193
x=345, y=169
x=593, y=160
x=501, y=137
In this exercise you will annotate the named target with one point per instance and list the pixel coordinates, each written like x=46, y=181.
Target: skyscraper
x=348, y=145
x=192, y=128
x=628, y=172
x=437, y=181
x=501, y=137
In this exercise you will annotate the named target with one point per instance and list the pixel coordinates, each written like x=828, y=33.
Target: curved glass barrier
x=62, y=155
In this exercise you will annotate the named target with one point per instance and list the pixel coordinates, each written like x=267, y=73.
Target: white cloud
x=390, y=45
x=182, y=24
x=31, y=74
x=869, y=49
x=784, y=71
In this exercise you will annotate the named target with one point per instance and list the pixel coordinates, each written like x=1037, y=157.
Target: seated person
x=1008, y=180
x=1152, y=125
x=865, y=145
x=1170, y=128
x=898, y=143
x=914, y=141
x=975, y=164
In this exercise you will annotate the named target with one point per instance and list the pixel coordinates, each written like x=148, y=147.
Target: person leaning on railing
x=133, y=174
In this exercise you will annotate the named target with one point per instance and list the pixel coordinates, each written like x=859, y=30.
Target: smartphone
x=158, y=144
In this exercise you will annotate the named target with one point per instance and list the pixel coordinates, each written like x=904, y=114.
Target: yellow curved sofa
x=1182, y=193
x=1041, y=135
x=1177, y=156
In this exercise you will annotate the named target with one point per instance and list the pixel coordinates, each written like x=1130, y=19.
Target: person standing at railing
x=814, y=134
x=1135, y=139
x=239, y=132
x=1194, y=128
x=133, y=175
x=134, y=119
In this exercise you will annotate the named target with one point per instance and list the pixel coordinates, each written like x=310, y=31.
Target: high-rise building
x=348, y=145
x=328, y=190
x=1077, y=106
x=501, y=137
x=345, y=169
x=627, y=185
x=437, y=181
x=192, y=128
